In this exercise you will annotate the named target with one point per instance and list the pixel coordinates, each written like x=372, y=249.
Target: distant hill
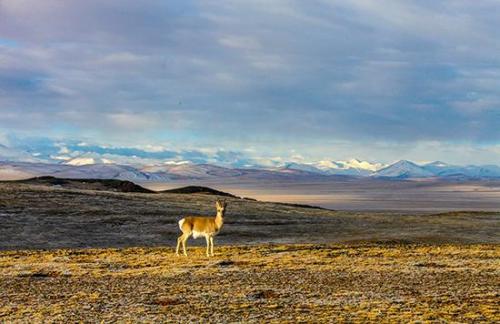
x=87, y=184
x=404, y=169
x=326, y=170
x=210, y=191
x=114, y=185
x=200, y=190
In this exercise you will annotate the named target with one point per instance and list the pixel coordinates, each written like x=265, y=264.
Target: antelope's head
x=221, y=207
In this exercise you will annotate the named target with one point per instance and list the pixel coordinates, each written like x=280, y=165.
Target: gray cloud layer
x=271, y=75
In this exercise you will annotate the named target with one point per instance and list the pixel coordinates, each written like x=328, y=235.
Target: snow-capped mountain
x=194, y=171
x=403, y=169
x=300, y=167
x=441, y=169
x=87, y=161
x=103, y=171
x=437, y=166
x=186, y=170
x=351, y=167
x=94, y=171
x=407, y=169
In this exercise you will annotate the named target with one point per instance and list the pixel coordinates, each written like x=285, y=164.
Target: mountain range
x=190, y=171
x=81, y=160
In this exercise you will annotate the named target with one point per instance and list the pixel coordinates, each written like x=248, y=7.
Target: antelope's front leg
x=212, y=245
x=208, y=245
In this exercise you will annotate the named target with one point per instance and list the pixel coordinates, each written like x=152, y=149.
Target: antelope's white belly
x=197, y=234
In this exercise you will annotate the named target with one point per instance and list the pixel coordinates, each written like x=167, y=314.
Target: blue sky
x=304, y=80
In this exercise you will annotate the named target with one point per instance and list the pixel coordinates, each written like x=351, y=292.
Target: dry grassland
x=260, y=283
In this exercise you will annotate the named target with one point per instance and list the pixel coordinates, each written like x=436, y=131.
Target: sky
x=291, y=80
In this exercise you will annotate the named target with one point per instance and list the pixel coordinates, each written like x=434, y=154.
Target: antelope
x=202, y=226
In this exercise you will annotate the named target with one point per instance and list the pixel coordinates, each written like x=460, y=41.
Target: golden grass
x=264, y=283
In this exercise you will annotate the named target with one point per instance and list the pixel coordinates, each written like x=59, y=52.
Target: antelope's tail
x=181, y=222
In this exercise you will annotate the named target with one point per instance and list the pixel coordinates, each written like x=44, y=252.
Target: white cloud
x=122, y=57
x=133, y=121
x=153, y=148
x=267, y=61
x=240, y=42
x=477, y=106
x=64, y=150
x=3, y=139
x=61, y=157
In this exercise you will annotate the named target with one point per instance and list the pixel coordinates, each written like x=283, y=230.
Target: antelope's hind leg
x=182, y=240
x=184, y=244
x=179, y=242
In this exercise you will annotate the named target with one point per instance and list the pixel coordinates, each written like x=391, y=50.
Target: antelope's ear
x=217, y=202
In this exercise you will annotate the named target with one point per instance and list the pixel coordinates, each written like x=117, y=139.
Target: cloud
x=274, y=76
x=132, y=121
x=240, y=42
x=55, y=151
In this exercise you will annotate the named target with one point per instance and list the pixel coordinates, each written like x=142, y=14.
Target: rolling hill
x=400, y=170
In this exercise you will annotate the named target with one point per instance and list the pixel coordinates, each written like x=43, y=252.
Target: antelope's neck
x=219, y=220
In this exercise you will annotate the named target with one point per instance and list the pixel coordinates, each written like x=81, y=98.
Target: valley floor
x=261, y=283
x=431, y=195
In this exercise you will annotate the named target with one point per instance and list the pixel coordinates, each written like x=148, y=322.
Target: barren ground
x=38, y=217
x=109, y=257
x=264, y=283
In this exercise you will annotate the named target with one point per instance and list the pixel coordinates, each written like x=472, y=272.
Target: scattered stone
x=262, y=294
x=225, y=263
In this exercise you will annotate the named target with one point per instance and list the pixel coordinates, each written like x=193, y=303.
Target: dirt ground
x=37, y=217
x=260, y=283
x=71, y=255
